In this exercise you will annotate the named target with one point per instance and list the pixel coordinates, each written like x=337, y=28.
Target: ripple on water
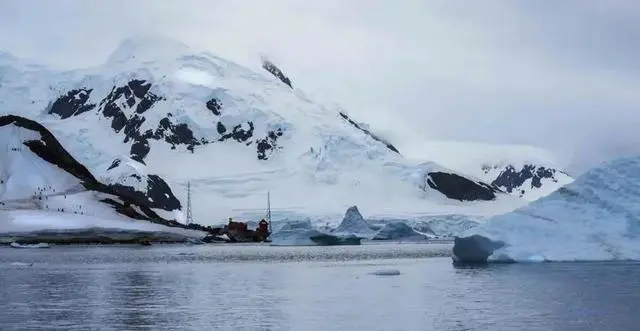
x=329, y=288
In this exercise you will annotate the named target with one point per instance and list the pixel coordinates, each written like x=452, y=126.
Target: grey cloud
x=558, y=75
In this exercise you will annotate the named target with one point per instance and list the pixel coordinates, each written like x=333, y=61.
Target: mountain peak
x=147, y=48
x=234, y=133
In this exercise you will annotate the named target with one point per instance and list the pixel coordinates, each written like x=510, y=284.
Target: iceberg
x=38, y=245
x=399, y=231
x=595, y=218
x=354, y=224
x=302, y=233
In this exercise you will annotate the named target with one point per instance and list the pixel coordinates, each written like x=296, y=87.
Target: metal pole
x=269, y=210
x=189, y=215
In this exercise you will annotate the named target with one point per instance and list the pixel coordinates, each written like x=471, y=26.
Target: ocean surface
x=255, y=287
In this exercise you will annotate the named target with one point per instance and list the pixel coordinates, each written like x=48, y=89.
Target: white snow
x=321, y=167
x=36, y=195
x=25, y=221
x=123, y=172
x=195, y=76
x=24, y=175
x=486, y=161
x=595, y=218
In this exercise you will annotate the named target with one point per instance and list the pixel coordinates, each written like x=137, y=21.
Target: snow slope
x=525, y=171
x=597, y=217
x=43, y=188
x=159, y=107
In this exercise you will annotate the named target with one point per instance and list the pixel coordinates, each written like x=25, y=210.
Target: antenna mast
x=269, y=210
x=189, y=219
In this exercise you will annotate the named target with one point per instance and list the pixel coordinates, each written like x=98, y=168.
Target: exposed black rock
x=221, y=128
x=158, y=194
x=474, y=249
x=367, y=132
x=135, y=93
x=215, y=106
x=125, y=106
x=460, y=188
x=267, y=145
x=238, y=133
x=49, y=149
x=139, y=88
x=274, y=70
x=114, y=164
x=511, y=179
x=139, y=149
x=74, y=103
x=174, y=134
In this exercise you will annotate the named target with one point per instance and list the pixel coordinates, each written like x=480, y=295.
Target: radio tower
x=189, y=216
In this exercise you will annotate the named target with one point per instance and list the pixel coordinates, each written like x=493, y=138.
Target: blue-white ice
x=595, y=218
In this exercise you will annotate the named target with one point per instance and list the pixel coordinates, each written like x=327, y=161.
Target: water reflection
x=165, y=289
x=137, y=293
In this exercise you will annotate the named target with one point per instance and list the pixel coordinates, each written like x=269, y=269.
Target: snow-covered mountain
x=42, y=187
x=158, y=114
x=525, y=171
x=597, y=217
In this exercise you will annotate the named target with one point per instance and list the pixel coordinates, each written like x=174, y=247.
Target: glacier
x=595, y=218
x=159, y=114
x=400, y=231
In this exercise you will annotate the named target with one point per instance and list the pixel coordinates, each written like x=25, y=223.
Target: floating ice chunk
x=386, y=272
x=21, y=264
x=39, y=245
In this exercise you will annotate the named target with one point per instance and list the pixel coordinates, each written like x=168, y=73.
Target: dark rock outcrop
x=74, y=103
x=156, y=193
x=173, y=134
x=215, y=106
x=238, y=133
x=274, y=70
x=125, y=107
x=49, y=149
x=474, y=249
x=114, y=164
x=367, y=132
x=511, y=179
x=268, y=144
x=460, y=188
x=134, y=94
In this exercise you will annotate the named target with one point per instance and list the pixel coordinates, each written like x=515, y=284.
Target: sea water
x=259, y=287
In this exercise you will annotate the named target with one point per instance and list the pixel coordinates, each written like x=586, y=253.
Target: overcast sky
x=562, y=75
